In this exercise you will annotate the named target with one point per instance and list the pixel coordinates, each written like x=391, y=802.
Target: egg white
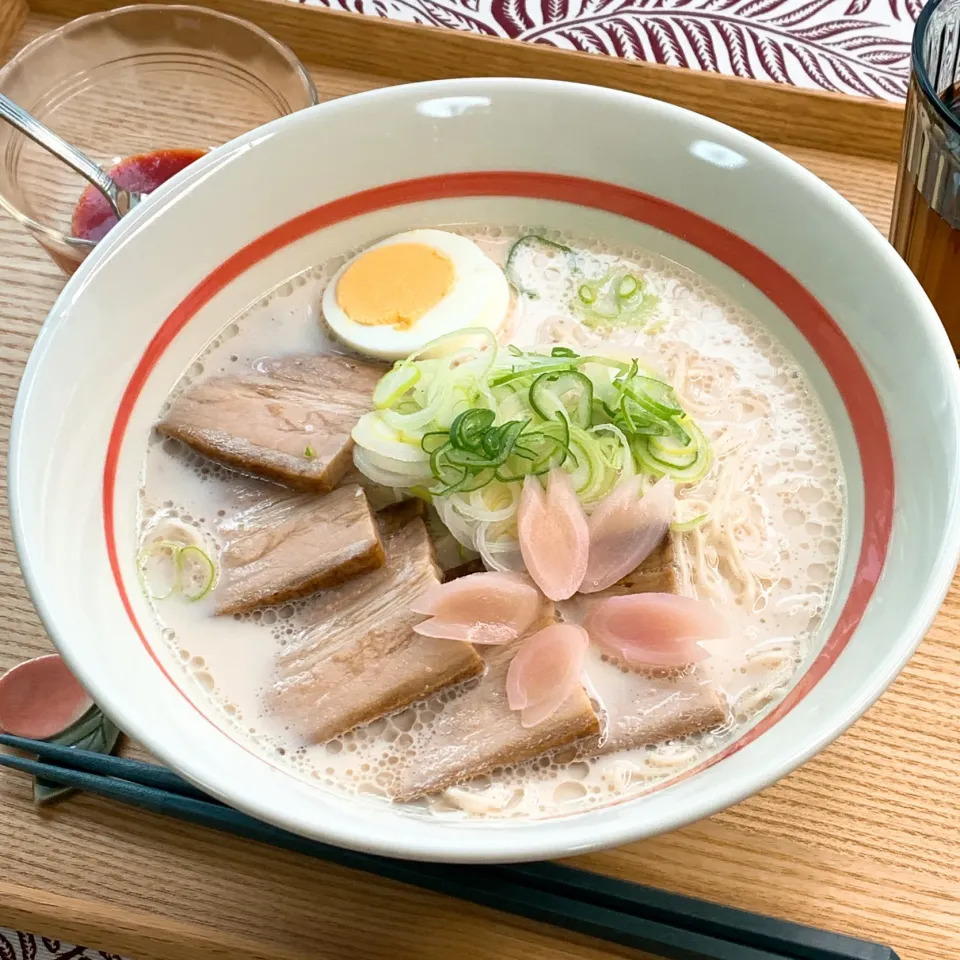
x=479, y=297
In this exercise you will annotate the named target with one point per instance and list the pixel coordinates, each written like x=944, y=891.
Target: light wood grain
x=13, y=13
x=407, y=52
x=863, y=839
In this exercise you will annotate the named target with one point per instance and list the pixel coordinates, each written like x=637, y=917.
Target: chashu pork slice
x=478, y=731
x=652, y=710
x=288, y=421
x=289, y=546
x=659, y=573
x=652, y=707
x=361, y=658
x=378, y=495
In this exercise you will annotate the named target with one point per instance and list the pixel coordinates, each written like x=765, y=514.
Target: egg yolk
x=394, y=285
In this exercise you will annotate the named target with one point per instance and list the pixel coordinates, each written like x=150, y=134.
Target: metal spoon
x=122, y=201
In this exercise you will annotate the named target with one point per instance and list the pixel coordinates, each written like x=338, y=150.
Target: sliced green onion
x=444, y=472
x=628, y=287
x=519, y=373
x=694, y=524
x=582, y=476
x=659, y=465
x=471, y=481
x=309, y=452
x=468, y=429
x=373, y=433
x=671, y=449
x=159, y=549
x=549, y=394
x=395, y=383
x=599, y=413
x=452, y=343
x=605, y=362
x=468, y=460
x=655, y=396
x=591, y=478
x=462, y=416
x=625, y=462
x=636, y=420
x=197, y=573
x=433, y=441
x=530, y=240
x=190, y=570
x=476, y=450
x=616, y=298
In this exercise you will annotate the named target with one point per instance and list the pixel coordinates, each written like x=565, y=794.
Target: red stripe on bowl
x=797, y=303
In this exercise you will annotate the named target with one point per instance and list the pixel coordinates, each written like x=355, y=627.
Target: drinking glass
x=926, y=212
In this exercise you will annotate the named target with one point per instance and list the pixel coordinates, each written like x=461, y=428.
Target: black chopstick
x=665, y=941
x=791, y=940
x=669, y=925
x=148, y=774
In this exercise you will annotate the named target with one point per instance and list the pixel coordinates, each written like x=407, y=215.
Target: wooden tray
x=864, y=839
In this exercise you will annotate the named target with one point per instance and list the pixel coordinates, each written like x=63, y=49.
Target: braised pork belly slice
x=288, y=421
x=288, y=546
x=478, y=731
x=361, y=659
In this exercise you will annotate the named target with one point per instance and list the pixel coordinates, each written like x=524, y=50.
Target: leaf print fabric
x=859, y=47
x=15, y=945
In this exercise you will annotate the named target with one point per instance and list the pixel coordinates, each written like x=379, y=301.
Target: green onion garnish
x=569, y=392
x=463, y=413
x=628, y=287
x=532, y=240
x=197, y=573
x=188, y=569
x=616, y=298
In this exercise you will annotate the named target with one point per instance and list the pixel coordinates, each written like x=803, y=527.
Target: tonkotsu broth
x=770, y=551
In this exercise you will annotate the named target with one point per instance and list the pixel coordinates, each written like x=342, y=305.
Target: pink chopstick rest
x=41, y=698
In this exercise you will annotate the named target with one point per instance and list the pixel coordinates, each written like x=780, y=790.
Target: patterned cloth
x=26, y=946
x=859, y=47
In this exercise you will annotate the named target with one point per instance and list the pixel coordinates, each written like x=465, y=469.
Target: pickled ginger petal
x=479, y=608
x=655, y=629
x=546, y=671
x=625, y=528
x=553, y=533
x=473, y=595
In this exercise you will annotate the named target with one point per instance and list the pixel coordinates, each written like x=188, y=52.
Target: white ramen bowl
x=595, y=162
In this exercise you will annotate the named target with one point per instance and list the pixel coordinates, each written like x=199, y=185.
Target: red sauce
x=93, y=217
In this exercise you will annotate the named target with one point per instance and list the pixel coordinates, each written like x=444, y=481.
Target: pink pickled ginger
x=655, y=629
x=545, y=671
x=553, y=533
x=479, y=608
x=625, y=528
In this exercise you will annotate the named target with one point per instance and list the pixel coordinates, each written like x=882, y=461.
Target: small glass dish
x=128, y=82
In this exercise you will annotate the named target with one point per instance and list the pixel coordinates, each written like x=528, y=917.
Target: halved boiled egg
x=411, y=288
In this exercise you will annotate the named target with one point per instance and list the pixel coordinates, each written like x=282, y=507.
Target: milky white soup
x=768, y=554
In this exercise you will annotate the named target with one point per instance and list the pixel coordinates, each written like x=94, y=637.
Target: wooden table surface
x=864, y=839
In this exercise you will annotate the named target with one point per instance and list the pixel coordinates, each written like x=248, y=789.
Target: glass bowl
x=128, y=82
